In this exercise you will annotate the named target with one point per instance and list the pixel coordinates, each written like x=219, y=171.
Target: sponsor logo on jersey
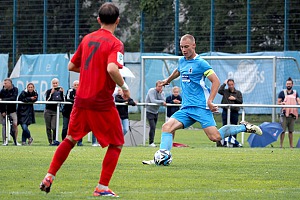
x=120, y=58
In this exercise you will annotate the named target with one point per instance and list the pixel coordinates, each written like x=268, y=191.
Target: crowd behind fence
x=143, y=112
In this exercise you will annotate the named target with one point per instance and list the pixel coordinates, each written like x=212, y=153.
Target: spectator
x=175, y=98
x=25, y=112
x=66, y=111
x=9, y=93
x=230, y=96
x=288, y=116
x=154, y=95
x=94, y=141
x=56, y=93
x=123, y=109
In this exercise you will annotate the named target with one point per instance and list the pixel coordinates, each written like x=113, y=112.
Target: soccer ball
x=163, y=157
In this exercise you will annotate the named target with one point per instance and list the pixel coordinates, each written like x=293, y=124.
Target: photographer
x=230, y=96
x=56, y=93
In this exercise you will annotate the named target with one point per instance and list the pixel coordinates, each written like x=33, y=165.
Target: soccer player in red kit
x=97, y=59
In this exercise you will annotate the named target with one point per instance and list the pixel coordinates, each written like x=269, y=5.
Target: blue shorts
x=188, y=116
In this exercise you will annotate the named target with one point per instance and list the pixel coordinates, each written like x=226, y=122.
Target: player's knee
x=166, y=127
x=115, y=146
x=69, y=137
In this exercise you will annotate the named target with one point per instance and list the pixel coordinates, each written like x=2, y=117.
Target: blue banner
x=40, y=70
x=3, y=68
x=254, y=78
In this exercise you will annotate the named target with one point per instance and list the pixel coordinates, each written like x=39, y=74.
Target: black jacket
x=123, y=109
x=56, y=96
x=70, y=97
x=8, y=95
x=26, y=111
x=172, y=109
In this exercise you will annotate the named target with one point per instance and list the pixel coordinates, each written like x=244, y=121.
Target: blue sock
x=229, y=130
x=166, y=141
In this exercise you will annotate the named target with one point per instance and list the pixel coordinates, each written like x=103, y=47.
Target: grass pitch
x=200, y=171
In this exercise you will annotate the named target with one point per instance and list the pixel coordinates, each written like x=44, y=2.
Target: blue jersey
x=192, y=77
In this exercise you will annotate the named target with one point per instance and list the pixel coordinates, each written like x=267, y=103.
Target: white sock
x=48, y=174
x=102, y=187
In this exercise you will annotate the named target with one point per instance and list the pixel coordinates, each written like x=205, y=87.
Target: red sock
x=109, y=164
x=60, y=155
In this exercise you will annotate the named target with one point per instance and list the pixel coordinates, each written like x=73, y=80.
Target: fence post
x=57, y=121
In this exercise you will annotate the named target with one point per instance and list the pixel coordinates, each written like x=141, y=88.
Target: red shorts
x=105, y=125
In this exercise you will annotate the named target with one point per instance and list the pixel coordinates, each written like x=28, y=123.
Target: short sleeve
x=76, y=59
x=117, y=55
x=281, y=95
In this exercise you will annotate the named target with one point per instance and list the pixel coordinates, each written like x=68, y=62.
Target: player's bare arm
x=73, y=67
x=213, y=92
x=113, y=71
x=174, y=75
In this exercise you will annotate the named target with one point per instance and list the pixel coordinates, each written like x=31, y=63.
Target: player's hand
x=225, y=82
x=164, y=82
x=213, y=107
x=126, y=94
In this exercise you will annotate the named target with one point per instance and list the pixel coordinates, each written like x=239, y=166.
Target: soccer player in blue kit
x=197, y=99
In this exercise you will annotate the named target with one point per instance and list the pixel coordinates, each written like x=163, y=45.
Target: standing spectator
x=98, y=59
x=56, y=93
x=123, y=109
x=175, y=98
x=230, y=96
x=25, y=112
x=9, y=93
x=66, y=111
x=94, y=141
x=154, y=95
x=288, y=116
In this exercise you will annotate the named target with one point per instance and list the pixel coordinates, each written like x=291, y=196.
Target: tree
x=196, y=21
x=159, y=25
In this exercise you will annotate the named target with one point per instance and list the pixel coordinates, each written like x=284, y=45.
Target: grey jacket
x=154, y=97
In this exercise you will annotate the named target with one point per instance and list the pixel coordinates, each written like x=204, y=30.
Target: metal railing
x=143, y=117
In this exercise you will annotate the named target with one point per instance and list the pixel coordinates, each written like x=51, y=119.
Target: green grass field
x=200, y=171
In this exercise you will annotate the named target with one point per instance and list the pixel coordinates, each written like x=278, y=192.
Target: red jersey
x=94, y=53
